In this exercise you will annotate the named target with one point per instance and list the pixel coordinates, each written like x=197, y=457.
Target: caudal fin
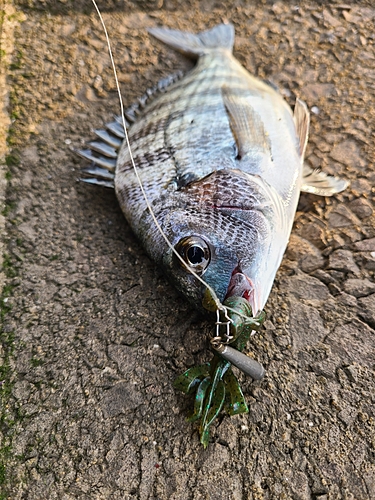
x=221, y=36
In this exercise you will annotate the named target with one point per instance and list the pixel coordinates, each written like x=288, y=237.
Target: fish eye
x=195, y=252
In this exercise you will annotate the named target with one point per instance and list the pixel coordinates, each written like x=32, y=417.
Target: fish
x=220, y=156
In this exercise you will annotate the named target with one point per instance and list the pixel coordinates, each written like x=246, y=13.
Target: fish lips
x=241, y=285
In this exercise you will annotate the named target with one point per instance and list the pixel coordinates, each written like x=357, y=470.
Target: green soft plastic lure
x=214, y=383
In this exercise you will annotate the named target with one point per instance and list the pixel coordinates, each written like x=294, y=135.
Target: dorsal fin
x=246, y=124
x=221, y=36
x=301, y=118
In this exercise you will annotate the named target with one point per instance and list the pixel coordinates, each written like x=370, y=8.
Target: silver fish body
x=220, y=156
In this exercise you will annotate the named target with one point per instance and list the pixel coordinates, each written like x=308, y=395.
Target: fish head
x=225, y=228
x=200, y=252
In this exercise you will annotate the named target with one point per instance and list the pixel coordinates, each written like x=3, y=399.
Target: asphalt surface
x=93, y=335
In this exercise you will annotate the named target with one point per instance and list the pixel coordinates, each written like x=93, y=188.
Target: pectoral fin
x=320, y=183
x=301, y=118
x=246, y=125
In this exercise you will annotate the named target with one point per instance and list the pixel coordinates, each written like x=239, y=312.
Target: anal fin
x=301, y=118
x=314, y=180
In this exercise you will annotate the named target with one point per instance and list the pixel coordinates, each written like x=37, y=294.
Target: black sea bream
x=220, y=155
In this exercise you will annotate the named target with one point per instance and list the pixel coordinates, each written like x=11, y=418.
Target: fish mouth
x=240, y=285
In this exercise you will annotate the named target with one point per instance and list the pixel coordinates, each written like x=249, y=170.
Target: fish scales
x=185, y=135
x=220, y=157
x=188, y=110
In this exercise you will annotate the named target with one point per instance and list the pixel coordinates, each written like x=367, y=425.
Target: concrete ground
x=93, y=335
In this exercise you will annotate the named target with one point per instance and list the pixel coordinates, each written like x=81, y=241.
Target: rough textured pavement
x=92, y=334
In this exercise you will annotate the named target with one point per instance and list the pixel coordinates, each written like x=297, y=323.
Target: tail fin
x=221, y=36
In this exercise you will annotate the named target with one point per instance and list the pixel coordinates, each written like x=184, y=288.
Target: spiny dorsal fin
x=302, y=122
x=246, y=124
x=221, y=36
x=320, y=183
x=98, y=182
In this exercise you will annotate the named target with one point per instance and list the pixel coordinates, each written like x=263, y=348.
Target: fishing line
x=218, y=304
